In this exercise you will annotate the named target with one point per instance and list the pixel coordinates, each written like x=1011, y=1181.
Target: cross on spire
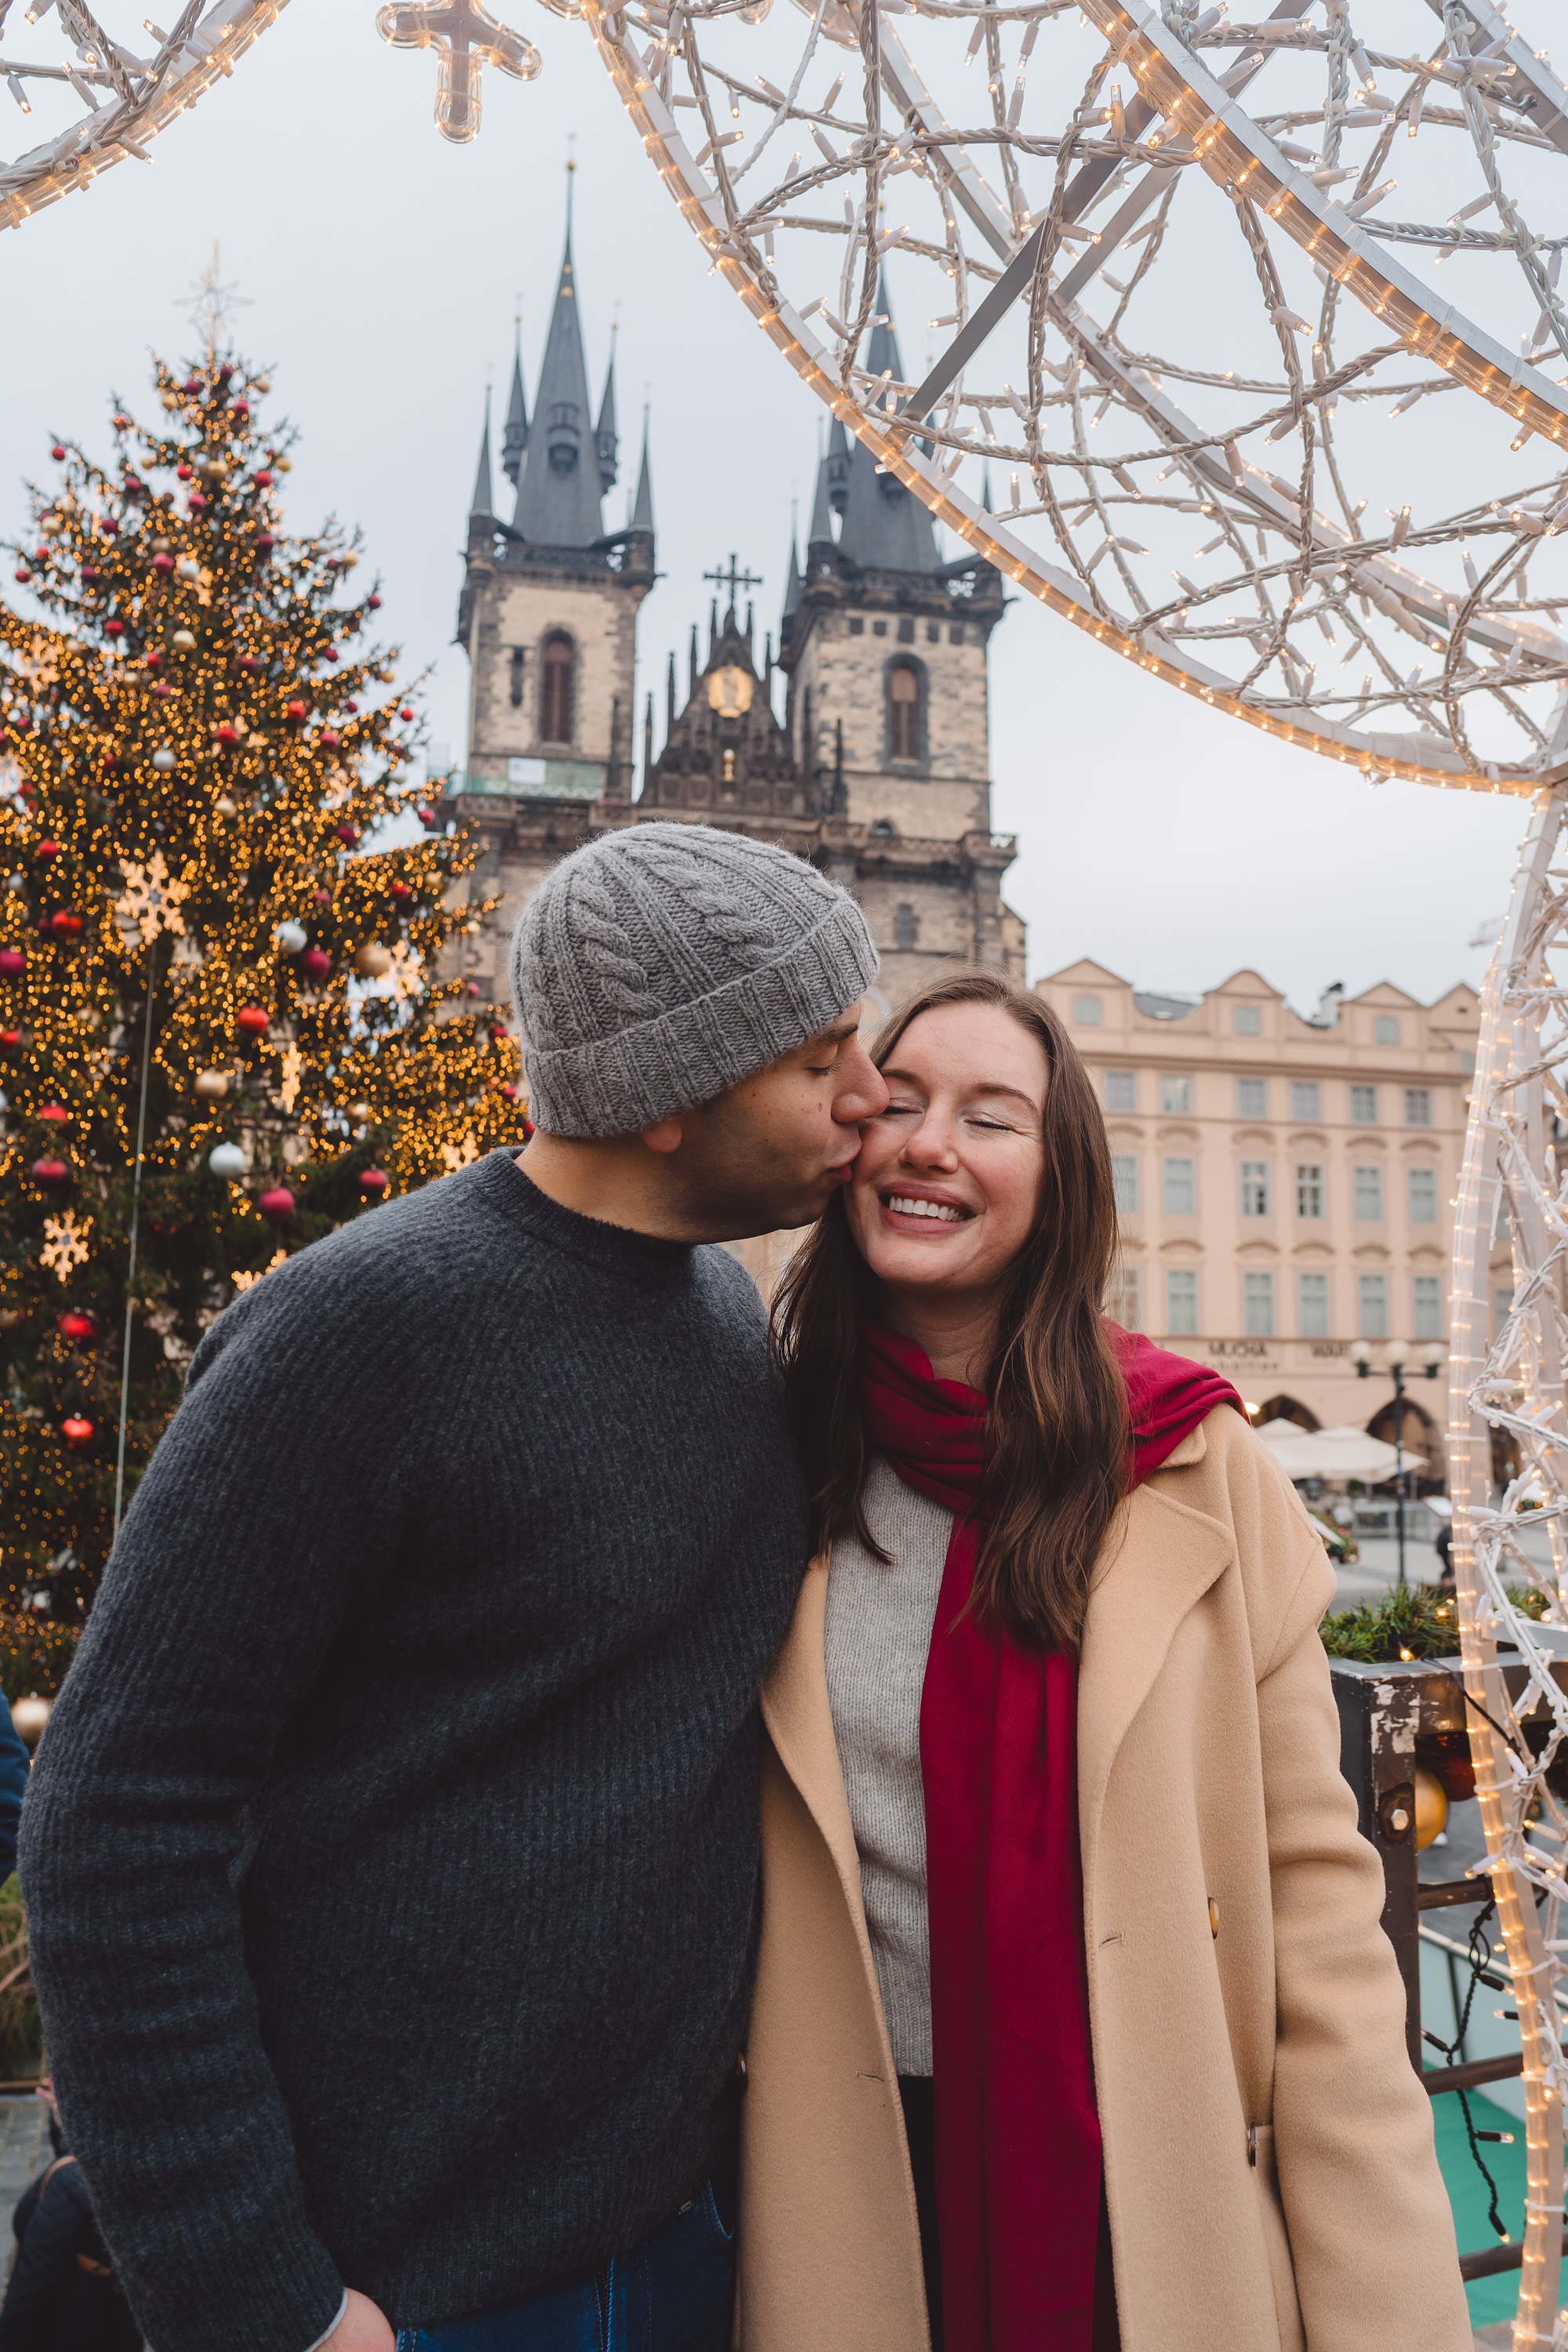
x=734, y=580
x=466, y=38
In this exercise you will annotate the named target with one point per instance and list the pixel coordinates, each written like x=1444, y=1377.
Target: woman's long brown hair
x=1056, y=1427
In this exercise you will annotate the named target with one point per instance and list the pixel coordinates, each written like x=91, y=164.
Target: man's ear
x=663, y=1135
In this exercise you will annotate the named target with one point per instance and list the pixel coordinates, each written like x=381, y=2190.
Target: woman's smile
x=908, y=1205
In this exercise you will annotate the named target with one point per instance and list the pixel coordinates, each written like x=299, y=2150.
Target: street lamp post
x=1395, y=1356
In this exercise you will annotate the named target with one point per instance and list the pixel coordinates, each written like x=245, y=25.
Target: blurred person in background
x=62, y=2296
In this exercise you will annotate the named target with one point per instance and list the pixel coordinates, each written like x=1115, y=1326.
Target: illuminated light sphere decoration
x=120, y=83
x=1251, y=331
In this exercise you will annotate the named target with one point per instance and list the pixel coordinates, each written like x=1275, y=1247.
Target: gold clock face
x=730, y=691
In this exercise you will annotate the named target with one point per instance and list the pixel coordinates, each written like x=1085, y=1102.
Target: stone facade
x=1286, y=1184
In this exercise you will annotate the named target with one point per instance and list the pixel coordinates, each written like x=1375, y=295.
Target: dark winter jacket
x=15, y=1766
x=62, y=2297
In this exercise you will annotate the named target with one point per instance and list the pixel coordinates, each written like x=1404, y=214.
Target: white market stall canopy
x=1341, y=1452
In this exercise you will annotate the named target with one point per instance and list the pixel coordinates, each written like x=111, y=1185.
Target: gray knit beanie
x=654, y=968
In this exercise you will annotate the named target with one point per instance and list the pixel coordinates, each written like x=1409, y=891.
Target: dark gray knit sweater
x=392, y=1853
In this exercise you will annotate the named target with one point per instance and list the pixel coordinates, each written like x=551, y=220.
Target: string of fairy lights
x=1260, y=497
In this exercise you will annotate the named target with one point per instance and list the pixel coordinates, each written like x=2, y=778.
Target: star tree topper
x=466, y=39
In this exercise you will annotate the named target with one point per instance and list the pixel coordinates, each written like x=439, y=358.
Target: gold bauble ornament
x=224, y=806
x=361, y=1113
x=184, y=641
x=211, y=1085
x=373, y=960
x=10, y=1316
x=29, y=1716
x=1431, y=1808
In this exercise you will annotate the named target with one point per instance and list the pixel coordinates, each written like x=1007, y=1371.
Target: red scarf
x=1017, y=2131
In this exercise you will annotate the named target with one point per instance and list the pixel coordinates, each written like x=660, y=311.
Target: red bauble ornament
x=114, y=628
x=162, y=563
x=294, y=710
x=263, y=479
x=57, y=452
x=400, y=890
x=348, y=834
x=50, y=1173
x=249, y=662
x=277, y=1205
x=192, y=384
x=265, y=541
x=9, y=1039
x=251, y=1021
x=78, y=1328
x=242, y=409
x=331, y=739
x=373, y=603
x=317, y=963
x=76, y=1430
x=133, y=488
x=40, y=554
x=428, y=817
x=162, y=686
x=48, y=849
x=374, y=1181
x=91, y=573
x=406, y=713
x=323, y=897
x=55, y=1114
x=182, y=473
x=498, y=1031
x=13, y=962
x=473, y=988
x=107, y=526
x=528, y=1130
x=65, y=924
x=330, y=654
x=225, y=734
x=197, y=502
x=351, y=707
x=21, y=572
x=225, y=371
x=511, y=1093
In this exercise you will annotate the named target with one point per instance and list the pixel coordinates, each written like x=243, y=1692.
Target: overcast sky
x=384, y=266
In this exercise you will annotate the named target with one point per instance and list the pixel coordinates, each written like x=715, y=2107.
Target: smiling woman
x=1052, y=1709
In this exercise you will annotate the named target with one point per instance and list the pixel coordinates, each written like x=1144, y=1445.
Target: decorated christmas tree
x=221, y=1029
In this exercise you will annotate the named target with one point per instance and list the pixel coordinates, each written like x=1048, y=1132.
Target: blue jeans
x=673, y=2293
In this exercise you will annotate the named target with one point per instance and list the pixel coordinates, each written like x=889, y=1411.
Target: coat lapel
x=1160, y=1559
x=800, y=1724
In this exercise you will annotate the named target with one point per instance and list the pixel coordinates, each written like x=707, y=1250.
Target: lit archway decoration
x=98, y=101
x=1394, y=599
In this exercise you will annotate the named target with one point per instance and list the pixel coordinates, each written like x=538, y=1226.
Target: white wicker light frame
x=126, y=98
x=1110, y=154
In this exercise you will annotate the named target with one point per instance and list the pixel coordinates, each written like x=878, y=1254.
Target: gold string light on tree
x=222, y=1030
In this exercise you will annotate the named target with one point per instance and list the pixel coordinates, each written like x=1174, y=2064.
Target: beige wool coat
x=1268, y=2154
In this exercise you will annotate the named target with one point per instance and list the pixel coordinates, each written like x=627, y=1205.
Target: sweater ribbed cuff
x=337, y=2322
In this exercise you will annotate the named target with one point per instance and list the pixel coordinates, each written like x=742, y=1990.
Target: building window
x=956, y=633
x=1086, y=1012
x=1180, y=1300
x=1124, y=1176
x=1363, y=1105
x=1249, y=1020
x=1308, y=1187
x=1306, y=1098
x=1367, y=1187
x=1255, y=1188
x=908, y=927
x=1373, y=1289
x=1468, y=1064
x=1124, y=1300
x=557, y=691
x=1257, y=1304
x=906, y=631
x=857, y=624
x=1181, y=1189
x=1385, y=1030
x=1427, y=1298
x=1175, y=1093
x=1418, y=1106
x=933, y=632
x=1121, y=1090
x=517, y=660
x=1312, y=1305
x=1252, y=1098
x=879, y=628
x=1423, y=1196
x=903, y=712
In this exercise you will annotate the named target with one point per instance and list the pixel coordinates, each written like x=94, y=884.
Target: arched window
x=557, y=690
x=903, y=712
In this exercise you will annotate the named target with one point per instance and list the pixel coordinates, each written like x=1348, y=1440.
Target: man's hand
x=362, y=2328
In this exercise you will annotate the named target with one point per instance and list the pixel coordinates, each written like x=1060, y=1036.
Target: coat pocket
x=1281, y=2269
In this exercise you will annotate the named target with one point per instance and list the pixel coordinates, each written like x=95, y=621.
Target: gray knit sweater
x=392, y=1852
x=879, y=1619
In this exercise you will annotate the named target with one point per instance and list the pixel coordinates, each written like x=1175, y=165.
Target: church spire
x=791, y=579
x=885, y=528
x=483, y=500
x=605, y=435
x=642, y=512
x=558, y=495
x=821, y=532
x=514, y=440
x=837, y=466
